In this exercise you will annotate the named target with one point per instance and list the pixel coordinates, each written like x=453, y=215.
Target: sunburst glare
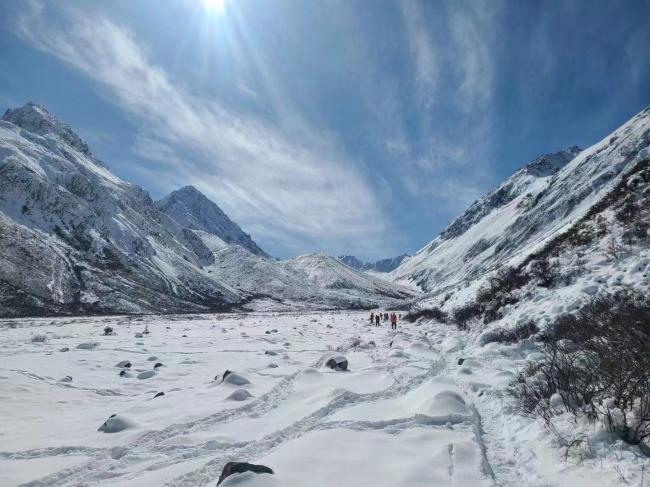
x=215, y=6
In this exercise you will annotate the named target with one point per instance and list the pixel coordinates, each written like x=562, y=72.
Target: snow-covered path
x=405, y=414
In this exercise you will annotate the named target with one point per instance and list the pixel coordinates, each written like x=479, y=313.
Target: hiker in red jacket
x=393, y=321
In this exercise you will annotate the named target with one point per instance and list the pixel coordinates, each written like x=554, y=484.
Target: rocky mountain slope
x=544, y=199
x=74, y=238
x=191, y=209
x=383, y=265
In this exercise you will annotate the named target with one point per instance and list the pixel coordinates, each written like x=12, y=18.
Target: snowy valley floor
x=406, y=414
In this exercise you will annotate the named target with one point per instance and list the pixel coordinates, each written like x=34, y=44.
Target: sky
x=344, y=126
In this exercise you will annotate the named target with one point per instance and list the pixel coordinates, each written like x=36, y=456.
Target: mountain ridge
x=528, y=209
x=192, y=209
x=76, y=239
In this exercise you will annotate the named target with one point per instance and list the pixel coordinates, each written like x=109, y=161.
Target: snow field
x=404, y=414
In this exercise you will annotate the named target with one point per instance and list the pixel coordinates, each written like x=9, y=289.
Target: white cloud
x=271, y=181
x=425, y=54
x=452, y=53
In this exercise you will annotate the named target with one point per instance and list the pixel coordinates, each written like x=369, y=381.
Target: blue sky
x=351, y=126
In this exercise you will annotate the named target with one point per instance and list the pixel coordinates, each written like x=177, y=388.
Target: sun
x=214, y=6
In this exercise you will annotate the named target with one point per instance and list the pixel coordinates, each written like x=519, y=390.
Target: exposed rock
x=231, y=468
x=115, y=424
x=335, y=362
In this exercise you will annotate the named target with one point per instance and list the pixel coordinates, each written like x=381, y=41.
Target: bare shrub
x=510, y=335
x=545, y=274
x=463, y=315
x=613, y=249
x=596, y=364
x=39, y=338
x=429, y=314
x=108, y=330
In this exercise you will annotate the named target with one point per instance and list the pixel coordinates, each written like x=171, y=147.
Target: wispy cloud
x=452, y=51
x=298, y=189
x=425, y=54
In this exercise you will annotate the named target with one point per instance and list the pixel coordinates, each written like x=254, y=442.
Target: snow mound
x=234, y=379
x=115, y=424
x=239, y=395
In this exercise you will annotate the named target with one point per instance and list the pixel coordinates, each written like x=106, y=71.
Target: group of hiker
x=377, y=317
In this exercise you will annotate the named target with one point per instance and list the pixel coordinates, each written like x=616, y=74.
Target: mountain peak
x=37, y=119
x=192, y=209
x=549, y=164
x=383, y=265
x=189, y=190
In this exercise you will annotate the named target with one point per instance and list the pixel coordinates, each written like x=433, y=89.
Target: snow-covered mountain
x=75, y=238
x=536, y=204
x=306, y=281
x=191, y=209
x=383, y=265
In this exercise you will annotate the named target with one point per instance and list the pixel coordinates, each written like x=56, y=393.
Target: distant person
x=393, y=321
x=372, y=317
x=385, y=316
x=377, y=318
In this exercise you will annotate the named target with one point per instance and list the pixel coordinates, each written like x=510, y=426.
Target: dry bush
x=597, y=364
x=510, y=335
x=429, y=314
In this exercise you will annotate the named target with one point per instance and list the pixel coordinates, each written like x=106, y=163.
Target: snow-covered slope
x=191, y=209
x=530, y=208
x=75, y=238
x=383, y=265
x=314, y=280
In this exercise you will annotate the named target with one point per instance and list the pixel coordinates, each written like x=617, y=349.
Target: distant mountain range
x=384, y=265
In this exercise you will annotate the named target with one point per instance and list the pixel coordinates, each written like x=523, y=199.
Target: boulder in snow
x=146, y=374
x=336, y=362
x=87, y=345
x=115, y=424
x=234, y=378
x=124, y=364
x=232, y=468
